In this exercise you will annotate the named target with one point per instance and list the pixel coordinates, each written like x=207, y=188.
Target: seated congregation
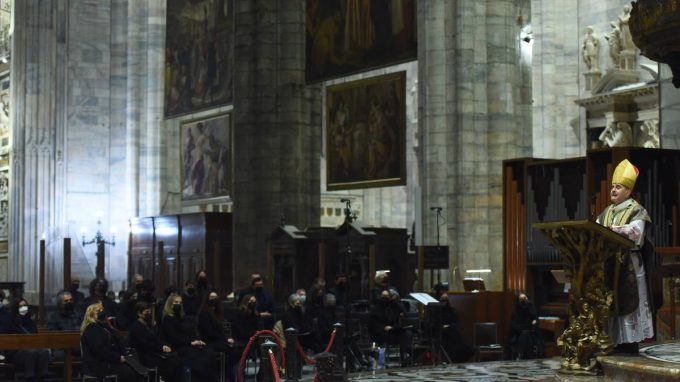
x=195, y=332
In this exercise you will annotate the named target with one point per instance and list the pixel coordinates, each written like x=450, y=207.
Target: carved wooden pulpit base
x=585, y=246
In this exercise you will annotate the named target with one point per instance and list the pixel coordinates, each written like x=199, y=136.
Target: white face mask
x=5, y=302
x=23, y=310
x=303, y=298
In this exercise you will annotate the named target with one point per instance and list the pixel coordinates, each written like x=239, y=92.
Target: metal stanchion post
x=265, y=364
x=293, y=362
x=338, y=347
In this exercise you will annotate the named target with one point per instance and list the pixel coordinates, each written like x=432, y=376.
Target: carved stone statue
x=617, y=134
x=648, y=136
x=614, y=40
x=626, y=37
x=591, y=50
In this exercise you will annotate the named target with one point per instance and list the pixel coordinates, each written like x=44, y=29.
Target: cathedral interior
x=303, y=139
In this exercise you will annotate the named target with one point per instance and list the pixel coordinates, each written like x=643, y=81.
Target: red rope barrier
x=300, y=350
x=304, y=356
x=272, y=360
x=242, y=362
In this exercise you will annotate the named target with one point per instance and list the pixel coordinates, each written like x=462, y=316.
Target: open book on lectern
x=424, y=298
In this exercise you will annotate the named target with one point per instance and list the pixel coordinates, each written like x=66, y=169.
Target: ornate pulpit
x=585, y=246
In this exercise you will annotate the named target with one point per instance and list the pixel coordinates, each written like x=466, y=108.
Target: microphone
x=436, y=208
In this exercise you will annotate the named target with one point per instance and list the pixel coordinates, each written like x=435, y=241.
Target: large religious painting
x=366, y=133
x=348, y=36
x=206, y=158
x=199, y=48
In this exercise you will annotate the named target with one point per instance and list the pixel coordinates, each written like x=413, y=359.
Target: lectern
x=585, y=246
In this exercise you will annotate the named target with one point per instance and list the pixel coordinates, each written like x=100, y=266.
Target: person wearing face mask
x=190, y=299
x=98, y=289
x=384, y=324
x=294, y=317
x=210, y=324
x=211, y=329
x=33, y=361
x=137, y=281
x=524, y=340
x=303, y=294
x=151, y=350
x=245, y=321
x=265, y=302
x=66, y=317
x=192, y=351
x=202, y=286
x=103, y=350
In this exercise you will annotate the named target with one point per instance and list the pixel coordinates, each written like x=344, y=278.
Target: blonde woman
x=102, y=348
x=192, y=351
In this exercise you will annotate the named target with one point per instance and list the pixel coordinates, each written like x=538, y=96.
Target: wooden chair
x=485, y=341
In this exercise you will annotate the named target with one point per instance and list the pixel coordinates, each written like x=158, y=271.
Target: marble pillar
x=35, y=198
x=473, y=115
x=276, y=129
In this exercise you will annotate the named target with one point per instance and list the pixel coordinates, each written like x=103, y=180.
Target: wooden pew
x=45, y=340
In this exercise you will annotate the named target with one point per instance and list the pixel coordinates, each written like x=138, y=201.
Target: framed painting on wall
x=206, y=154
x=366, y=133
x=349, y=36
x=199, y=47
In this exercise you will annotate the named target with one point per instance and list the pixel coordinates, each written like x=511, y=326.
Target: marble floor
x=531, y=370
x=667, y=352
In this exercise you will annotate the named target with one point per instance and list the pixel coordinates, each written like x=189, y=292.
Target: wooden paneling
x=191, y=242
x=484, y=307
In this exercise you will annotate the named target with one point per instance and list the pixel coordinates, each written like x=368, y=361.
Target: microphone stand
x=349, y=354
x=434, y=311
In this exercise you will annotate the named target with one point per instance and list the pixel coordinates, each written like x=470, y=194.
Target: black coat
x=191, y=304
x=243, y=325
x=101, y=348
x=295, y=318
x=522, y=318
x=212, y=331
x=179, y=336
x=384, y=313
x=147, y=343
x=61, y=320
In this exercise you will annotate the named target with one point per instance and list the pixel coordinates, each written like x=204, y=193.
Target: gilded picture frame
x=366, y=133
x=206, y=157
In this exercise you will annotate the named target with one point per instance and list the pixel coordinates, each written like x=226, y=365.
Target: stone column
x=436, y=112
x=276, y=129
x=473, y=115
x=39, y=32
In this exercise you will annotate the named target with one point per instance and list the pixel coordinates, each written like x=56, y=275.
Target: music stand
x=433, y=311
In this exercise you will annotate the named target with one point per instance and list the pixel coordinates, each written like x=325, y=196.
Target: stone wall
x=474, y=114
x=88, y=142
x=377, y=207
x=669, y=109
